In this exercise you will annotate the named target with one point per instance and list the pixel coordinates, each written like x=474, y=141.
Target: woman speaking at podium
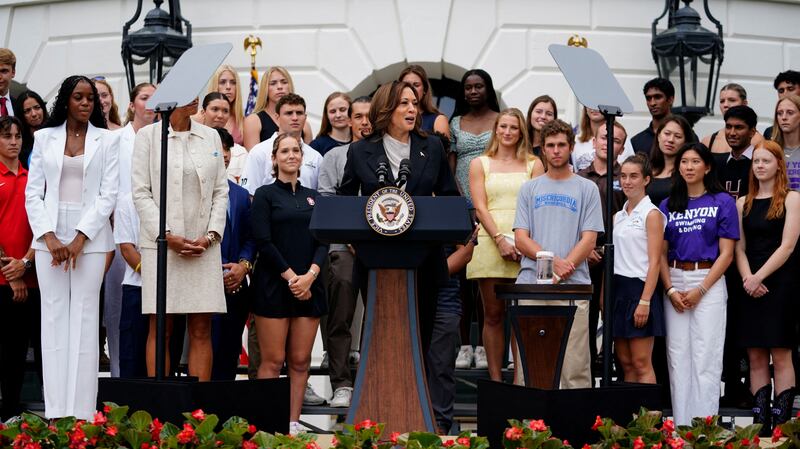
x=396, y=119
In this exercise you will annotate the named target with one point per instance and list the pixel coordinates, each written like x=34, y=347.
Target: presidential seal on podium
x=390, y=211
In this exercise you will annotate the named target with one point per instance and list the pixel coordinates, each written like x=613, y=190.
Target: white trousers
x=695, y=340
x=70, y=320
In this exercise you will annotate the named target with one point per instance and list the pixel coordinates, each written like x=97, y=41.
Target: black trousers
x=15, y=336
x=342, y=297
x=226, y=335
x=133, y=329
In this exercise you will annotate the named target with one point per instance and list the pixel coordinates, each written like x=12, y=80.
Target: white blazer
x=100, y=186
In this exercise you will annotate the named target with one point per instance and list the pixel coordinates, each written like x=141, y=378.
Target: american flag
x=251, y=98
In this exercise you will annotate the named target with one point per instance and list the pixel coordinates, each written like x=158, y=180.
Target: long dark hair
x=656, y=156
x=27, y=131
x=679, y=195
x=58, y=113
x=385, y=101
x=462, y=107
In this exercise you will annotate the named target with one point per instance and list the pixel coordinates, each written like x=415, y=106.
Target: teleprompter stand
x=390, y=384
x=168, y=398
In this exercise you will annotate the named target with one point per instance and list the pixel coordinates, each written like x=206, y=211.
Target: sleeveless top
x=70, y=189
x=466, y=146
x=630, y=236
x=501, y=200
x=268, y=127
x=428, y=120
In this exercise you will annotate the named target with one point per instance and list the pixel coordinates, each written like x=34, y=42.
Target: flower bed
x=114, y=428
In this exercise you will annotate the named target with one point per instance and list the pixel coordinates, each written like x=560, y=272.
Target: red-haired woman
x=769, y=217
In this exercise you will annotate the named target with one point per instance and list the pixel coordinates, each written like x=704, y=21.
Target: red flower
x=745, y=442
x=312, y=445
x=513, y=433
x=99, y=419
x=689, y=435
x=449, y=443
x=107, y=409
x=247, y=444
x=676, y=443
x=597, y=422
x=334, y=442
x=586, y=446
x=537, y=425
x=377, y=430
x=251, y=429
x=365, y=424
x=111, y=431
x=186, y=435
x=669, y=426
x=393, y=437
x=155, y=429
x=24, y=426
x=464, y=441
x=756, y=440
x=777, y=434
x=657, y=446
x=565, y=443
x=199, y=414
x=145, y=445
x=729, y=446
x=638, y=443
x=709, y=420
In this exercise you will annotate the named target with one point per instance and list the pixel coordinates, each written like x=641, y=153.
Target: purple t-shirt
x=694, y=234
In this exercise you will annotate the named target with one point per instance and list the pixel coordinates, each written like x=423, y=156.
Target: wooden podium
x=390, y=385
x=542, y=331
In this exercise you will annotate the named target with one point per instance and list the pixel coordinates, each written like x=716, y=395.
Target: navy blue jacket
x=238, y=243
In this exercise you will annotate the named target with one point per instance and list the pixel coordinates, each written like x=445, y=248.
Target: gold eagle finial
x=250, y=44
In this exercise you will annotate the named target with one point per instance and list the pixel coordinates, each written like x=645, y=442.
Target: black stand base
x=264, y=402
x=569, y=413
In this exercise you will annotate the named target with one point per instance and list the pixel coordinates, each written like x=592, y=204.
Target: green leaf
x=65, y=424
x=141, y=420
x=169, y=430
x=236, y=425
x=554, y=443
x=426, y=439
x=229, y=437
x=117, y=414
x=207, y=426
x=135, y=437
x=263, y=439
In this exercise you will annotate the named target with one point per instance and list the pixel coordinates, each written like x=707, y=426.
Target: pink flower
x=709, y=420
x=199, y=414
x=312, y=445
x=334, y=442
x=676, y=443
x=24, y=426
x=537, y=425
x=251, y=429
x=107, y=409
x=111, y=431
x=247, y=444
x=393, y=437
x=777, y=434
x=464, y=441
x=669, y=426
x=513, y=433
x=565, y=443
x=638, y=443
x=657, y=446
x=365, y=424
x=597, y=422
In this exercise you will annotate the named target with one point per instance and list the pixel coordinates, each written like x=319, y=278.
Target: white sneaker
x=312, y=398
x=464, y=357
x=480, y=358
x=342, y=397
x=354, y=357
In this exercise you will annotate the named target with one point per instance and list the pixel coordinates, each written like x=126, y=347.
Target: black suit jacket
x=430, y=173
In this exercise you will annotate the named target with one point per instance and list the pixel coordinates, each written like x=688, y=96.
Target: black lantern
x=160, y=42
x=690, y=57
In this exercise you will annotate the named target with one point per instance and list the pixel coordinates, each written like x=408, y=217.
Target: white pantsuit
x=70, y=299
x=695, y=339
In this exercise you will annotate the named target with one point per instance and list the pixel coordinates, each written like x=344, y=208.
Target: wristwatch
x=27, y=262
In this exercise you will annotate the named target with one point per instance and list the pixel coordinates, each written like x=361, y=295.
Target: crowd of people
x=705, y=236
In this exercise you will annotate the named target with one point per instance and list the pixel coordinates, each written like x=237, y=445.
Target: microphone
x=382, y=171
x=403, y=173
